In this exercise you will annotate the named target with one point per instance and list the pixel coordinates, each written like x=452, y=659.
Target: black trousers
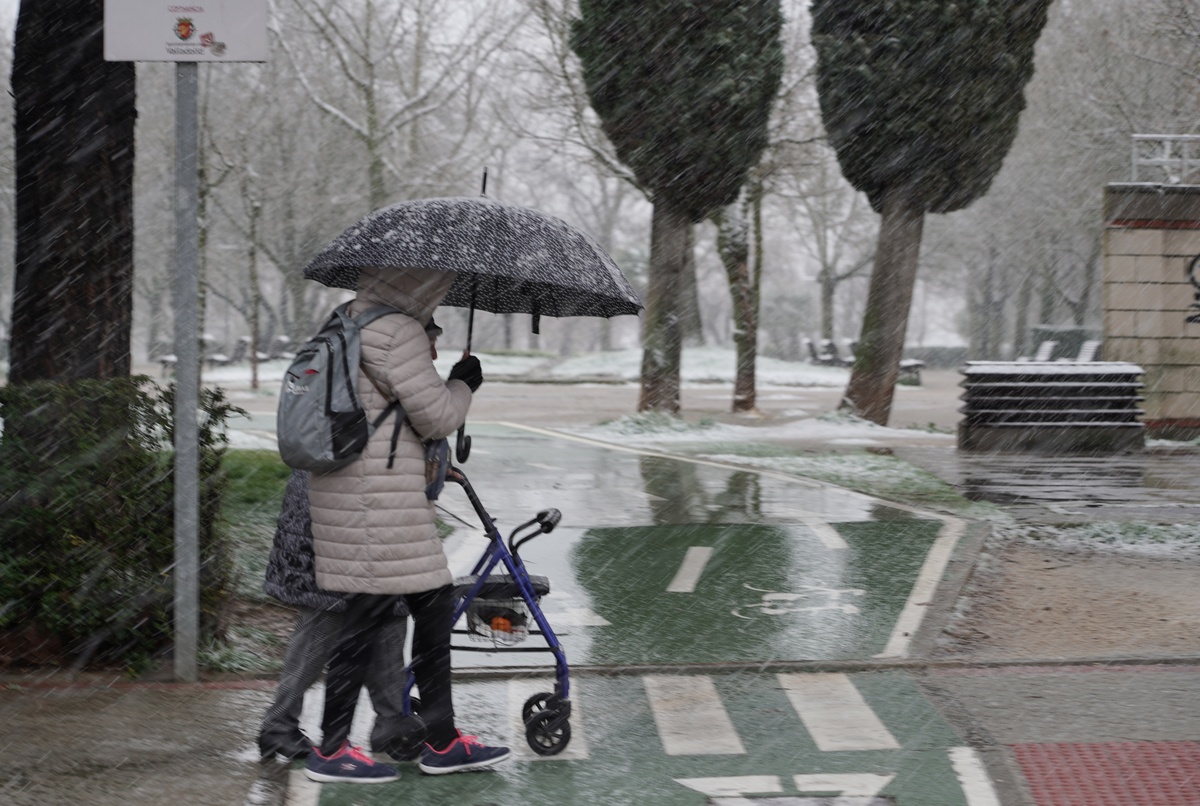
x=433, y=616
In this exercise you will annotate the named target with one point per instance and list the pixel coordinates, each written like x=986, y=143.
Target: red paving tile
x=1112, y=773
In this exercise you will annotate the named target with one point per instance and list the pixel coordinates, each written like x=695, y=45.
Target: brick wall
x=1151, y=233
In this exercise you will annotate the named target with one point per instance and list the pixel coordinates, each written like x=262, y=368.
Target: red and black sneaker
x=349, y=765
x=464, y=753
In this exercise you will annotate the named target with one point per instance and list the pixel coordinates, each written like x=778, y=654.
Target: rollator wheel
x=407, y=735
x=548, y=732
x=536, y=703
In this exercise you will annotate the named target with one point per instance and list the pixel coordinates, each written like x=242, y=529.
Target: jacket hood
x=416, y=291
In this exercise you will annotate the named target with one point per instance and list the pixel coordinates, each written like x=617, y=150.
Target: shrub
x=87, y=519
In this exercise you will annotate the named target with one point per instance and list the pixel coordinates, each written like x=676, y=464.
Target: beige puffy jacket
x=373, y=529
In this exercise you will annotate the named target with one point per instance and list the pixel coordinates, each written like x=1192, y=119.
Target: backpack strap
x=363, y=319
x=392, y=406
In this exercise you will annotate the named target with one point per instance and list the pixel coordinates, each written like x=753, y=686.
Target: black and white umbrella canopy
x=509, y=259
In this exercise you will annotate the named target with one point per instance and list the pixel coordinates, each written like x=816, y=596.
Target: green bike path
x=662, y=561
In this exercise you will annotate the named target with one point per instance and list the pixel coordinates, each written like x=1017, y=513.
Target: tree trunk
x=1021, y=325
x=691, y=326
x=73, y=284
x=734, y=249
x=746, y=386
x=827, y=281
x=1089, y=281
x=255, y=294
x=662, y=342
x=1046, y=296
x=885, y=320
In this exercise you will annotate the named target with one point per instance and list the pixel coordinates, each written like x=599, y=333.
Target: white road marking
x=521, y=690
x=301, y=791
x=575, y=616
x=828, y=536
x=734, y=785
x=976, y=784
x=835, y=713
x=642, y=494
x=923, y=589
x=852, y=784
x=690, y=718
x=690, y=569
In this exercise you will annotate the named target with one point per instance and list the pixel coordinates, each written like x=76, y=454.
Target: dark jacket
x=291, y=576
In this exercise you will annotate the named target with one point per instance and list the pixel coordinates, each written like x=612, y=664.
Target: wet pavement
x=1160, y=483
x=731, y=634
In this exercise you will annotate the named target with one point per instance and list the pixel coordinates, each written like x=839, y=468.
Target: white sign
x=185, y=30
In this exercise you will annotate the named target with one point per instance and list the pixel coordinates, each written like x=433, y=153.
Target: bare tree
x=839, y=228
x=395, y=64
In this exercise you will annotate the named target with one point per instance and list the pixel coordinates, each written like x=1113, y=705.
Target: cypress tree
x=683, y=89
x=72, y=306
x=921, y=100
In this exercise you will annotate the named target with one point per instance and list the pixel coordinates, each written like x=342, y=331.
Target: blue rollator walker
x=498, y=603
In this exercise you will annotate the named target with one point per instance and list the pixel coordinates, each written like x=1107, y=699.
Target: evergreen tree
x=921, y=100
x=683, y=89
x=73, y=285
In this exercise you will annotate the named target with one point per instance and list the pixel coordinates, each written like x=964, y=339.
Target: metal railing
x=1173, y=159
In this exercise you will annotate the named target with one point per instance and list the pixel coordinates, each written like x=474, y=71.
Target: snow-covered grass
x=831, y=428
x=765, y=447
x=1151, y=540
x=882, y=476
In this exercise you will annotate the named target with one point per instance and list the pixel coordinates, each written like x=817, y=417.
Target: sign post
x=186, y=33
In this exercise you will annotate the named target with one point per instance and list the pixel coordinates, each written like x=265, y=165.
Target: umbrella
x=508, y=259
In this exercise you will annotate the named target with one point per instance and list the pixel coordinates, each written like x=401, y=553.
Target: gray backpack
x=321, y=424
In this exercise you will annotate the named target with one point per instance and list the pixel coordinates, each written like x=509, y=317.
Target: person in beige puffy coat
x=374, y=533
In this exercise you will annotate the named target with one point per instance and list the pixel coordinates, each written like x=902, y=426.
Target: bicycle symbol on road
x=810, y=598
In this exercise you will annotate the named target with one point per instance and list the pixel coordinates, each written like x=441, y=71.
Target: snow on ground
x=700, y=365
x=1150, y=540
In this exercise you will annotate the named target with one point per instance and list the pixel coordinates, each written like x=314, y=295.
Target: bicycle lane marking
x=930, y=574
x=690, y=569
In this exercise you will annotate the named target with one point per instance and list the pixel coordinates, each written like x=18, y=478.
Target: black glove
x=468, y=371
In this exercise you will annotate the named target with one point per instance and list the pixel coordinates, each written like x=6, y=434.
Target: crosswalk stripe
x=690, y=718
x=521, y=690
x=835, y=713
x=734, y=785
x=690, y=569
x=849, y=784
x=301, y=791
x=976, y=785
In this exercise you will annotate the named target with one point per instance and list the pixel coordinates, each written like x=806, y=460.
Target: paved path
x=683, y=588
x=720, y=648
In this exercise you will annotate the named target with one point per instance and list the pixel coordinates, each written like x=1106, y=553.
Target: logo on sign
x=184, y=28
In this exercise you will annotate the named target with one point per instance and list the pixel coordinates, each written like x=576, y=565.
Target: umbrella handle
x=462, y=446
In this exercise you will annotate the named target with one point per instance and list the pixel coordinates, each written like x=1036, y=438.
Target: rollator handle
x=548, y=519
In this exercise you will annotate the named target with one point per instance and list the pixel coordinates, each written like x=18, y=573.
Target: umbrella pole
x=462, y=445
x=470, y=324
